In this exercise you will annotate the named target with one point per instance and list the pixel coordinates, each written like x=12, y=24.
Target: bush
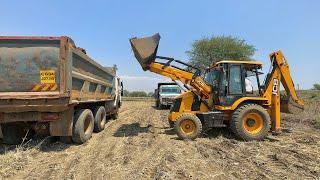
x=316, y=86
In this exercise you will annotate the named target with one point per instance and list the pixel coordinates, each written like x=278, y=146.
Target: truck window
x=170, y=90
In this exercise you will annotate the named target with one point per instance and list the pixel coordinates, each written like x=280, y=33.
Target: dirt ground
x=140, y=145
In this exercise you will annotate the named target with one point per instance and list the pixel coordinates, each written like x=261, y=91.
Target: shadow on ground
x=131, y=130
x=163, y=108
x=210, y=133
x=216, y=132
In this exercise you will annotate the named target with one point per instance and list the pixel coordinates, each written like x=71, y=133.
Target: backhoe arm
x=280, y=73
x=286, y=78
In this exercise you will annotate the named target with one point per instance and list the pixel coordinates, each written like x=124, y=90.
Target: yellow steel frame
x=270, y=98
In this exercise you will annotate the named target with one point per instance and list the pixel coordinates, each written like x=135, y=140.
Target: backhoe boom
x=280, y=72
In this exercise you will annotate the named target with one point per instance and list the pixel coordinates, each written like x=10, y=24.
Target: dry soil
x=140, y=145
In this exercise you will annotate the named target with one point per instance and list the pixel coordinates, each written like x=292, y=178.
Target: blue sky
x=104, y=27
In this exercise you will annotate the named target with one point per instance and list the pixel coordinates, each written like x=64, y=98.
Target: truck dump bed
x=49, y=74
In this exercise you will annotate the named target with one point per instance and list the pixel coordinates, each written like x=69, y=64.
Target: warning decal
x=47, y=77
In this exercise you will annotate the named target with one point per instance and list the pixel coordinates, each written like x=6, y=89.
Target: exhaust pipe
x=145, y=49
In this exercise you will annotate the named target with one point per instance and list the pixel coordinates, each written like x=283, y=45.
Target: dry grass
x=140, y=145
x=138, y=99
x=317, y=123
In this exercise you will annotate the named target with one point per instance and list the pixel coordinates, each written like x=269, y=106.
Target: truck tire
x=13, y=134
x=82, y=126
x=250, y=122
x=188, y=126
x=66, y=139
x=99, y=119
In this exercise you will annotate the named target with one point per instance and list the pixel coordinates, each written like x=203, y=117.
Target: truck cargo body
x=43, y=80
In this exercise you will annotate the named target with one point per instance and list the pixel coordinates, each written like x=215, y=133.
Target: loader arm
x=145, y=51
x=280, y=73
x=186, y=77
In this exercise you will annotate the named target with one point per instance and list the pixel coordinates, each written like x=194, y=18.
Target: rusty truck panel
x=43, y=80
x=90, y=81
x=48, y=74
x=23, y=61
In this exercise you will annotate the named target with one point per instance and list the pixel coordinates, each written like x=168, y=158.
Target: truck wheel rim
x=188, y=126
x=102, y=122
x=87, y=124
x=253, y=123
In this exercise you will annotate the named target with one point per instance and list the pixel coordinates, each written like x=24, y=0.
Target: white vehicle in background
x=165, y=94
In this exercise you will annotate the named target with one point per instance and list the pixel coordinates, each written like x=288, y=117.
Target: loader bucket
x=145, y=49
x=288, y=105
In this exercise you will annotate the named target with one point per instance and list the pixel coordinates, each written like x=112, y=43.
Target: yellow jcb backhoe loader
x=219, y=97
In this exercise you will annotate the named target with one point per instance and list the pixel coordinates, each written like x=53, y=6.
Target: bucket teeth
x=145, y=49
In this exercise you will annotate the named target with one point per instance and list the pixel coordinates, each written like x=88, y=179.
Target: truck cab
x=166, y=93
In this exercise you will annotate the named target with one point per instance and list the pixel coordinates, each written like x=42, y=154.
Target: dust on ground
x=140, y=145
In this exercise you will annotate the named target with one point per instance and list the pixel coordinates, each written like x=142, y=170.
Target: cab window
x=235, y=85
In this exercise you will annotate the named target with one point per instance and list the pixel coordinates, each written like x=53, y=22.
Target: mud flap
x=63, y=127
x=145, y=49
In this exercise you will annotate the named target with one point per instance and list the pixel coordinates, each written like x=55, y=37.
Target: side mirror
x=121, y=84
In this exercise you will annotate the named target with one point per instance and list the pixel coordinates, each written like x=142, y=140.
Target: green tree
x=206, y=51
x=126, y=93
x=316, y=86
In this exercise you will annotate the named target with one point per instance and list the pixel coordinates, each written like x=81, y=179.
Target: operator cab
x=231, y=80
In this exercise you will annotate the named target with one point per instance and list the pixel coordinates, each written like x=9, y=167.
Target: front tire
x=82, y=126
x=188, y=126
x=171, y=123
x=250, y=122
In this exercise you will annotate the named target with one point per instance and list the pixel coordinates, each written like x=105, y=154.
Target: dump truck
x=165, y=94
x=49, y=86
x=217, y=96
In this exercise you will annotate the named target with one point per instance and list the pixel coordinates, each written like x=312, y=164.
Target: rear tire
x=82, y=126
x=66, y=139
x=171, y=123
x=188, y=126
x=250, y=122
x=99, y=119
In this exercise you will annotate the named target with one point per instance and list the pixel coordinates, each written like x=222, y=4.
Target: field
x=140, y=145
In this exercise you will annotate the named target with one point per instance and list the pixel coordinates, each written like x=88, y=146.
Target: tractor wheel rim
x=253, y=123
x=188, y=126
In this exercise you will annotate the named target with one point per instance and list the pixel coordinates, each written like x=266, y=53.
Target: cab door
x=232, y=84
